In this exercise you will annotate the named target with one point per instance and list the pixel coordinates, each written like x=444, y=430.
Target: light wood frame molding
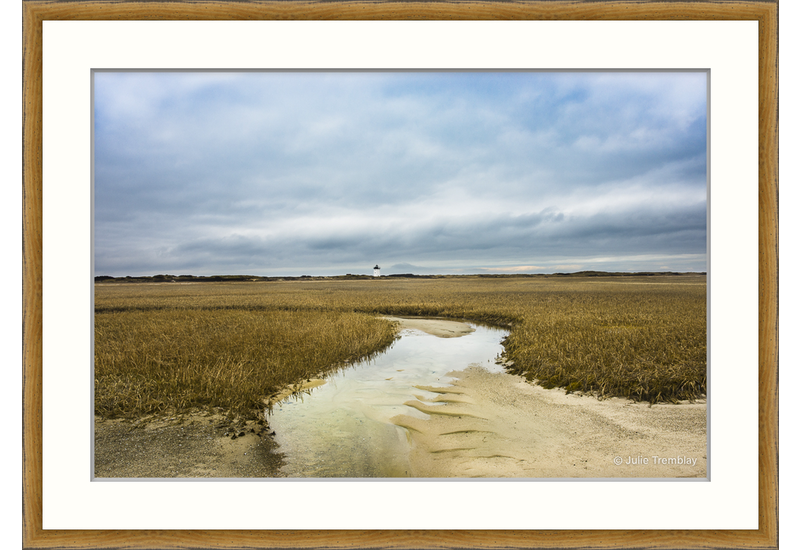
x=37, y=11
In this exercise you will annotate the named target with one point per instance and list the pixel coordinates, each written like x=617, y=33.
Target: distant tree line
x=166, y=278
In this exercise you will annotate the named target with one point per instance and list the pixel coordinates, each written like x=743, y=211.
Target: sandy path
x=499, y=425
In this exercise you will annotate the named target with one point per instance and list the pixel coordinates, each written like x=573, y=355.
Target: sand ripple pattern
x=496, y=425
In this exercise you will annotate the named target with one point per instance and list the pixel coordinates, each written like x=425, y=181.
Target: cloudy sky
x=314, y=173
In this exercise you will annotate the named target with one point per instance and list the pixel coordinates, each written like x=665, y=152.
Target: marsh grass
x=168, y=347
x=167, y=361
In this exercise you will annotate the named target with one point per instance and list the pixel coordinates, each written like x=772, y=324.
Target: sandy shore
x=500, y=425
x=484, y=425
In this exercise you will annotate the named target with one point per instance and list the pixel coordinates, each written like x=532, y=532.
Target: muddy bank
x=499, y=425
x=197, y=445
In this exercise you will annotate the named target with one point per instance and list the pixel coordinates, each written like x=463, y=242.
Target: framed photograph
x=691, y=84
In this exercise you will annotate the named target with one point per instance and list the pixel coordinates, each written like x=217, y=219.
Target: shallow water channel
x=344, y=428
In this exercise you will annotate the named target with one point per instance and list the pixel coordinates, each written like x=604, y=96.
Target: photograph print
x=400, y=274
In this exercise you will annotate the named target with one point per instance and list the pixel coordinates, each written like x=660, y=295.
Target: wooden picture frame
x=35, y=12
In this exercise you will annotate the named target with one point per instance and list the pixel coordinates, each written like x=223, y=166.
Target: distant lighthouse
x=376, y=271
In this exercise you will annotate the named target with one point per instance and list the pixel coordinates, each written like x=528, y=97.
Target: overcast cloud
x=287, y=173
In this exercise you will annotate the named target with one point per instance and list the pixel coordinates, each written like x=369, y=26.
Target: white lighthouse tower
x=376, y=271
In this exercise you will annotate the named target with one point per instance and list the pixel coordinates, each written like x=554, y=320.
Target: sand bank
x=500, y=425
x=438, y=327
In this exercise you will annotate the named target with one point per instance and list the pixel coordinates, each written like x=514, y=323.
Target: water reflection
x=343, y=429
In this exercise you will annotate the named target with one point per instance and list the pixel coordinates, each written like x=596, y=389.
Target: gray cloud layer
x=327, y=173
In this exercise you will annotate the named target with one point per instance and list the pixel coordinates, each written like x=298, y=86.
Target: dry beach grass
x=171, y=347
x=174, y=360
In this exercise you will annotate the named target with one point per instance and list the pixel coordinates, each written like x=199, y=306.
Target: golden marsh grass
x=171, y=346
